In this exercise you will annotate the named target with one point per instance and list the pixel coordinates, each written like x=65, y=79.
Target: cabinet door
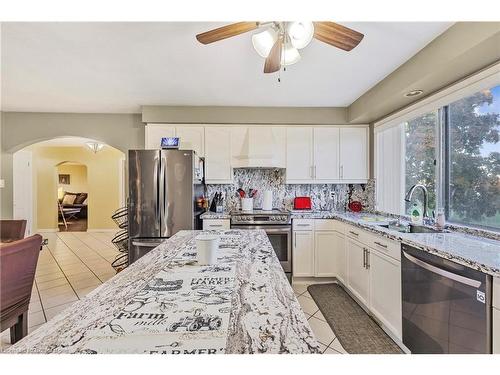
x=354, y=154
x=340, y=257
x=324, y=254
x=299, y=154
x=303, y=253
x=218, y=154
x=385, y=290
x=496, y=331
x=154, y=134
x=357, y=275
x=326, y=154
x=192, y=138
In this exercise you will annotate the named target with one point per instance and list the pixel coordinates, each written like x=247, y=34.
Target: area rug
x=356, y=331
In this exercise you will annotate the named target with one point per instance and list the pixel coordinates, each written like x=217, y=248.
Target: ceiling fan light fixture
x=264, y=41
x=301, y=33
x=290, y=55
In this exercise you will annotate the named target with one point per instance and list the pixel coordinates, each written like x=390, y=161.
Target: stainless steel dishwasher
x=446, y=306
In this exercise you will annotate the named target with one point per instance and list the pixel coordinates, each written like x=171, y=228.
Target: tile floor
x=73, y=264
x=328, y=342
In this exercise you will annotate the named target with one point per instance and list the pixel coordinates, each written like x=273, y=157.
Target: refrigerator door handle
x=162, y=200
x=449, y=275
x=155, y=183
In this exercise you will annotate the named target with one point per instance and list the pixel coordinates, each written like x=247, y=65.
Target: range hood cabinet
x=259, y=150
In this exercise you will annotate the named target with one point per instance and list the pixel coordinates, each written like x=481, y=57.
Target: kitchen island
x=166, y=303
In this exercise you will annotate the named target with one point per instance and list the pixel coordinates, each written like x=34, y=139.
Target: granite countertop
x=480, y=253
x=214, y=215
x=166, y=303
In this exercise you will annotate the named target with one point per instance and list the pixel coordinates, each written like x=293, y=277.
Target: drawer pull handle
x=215, y=225
x=354, y=233
x=380, y=244
x=303, y=225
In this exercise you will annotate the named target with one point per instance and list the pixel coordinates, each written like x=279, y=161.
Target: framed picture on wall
x=64, y=179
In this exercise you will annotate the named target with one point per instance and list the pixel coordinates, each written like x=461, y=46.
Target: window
x=455, y=153
x=420, y=157
x=472, y=159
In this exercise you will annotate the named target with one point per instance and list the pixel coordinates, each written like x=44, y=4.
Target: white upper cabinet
x=299, y=154
x=326, y=154
x=218, y=155
x=353, y=156
x=192, y=138
x=154, y=134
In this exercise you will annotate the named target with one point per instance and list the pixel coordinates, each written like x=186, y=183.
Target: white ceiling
x=117, y=67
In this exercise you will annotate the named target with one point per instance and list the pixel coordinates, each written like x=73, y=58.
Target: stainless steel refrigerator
x=163, y=188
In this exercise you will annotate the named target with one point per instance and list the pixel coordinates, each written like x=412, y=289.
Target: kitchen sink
x=422, y=229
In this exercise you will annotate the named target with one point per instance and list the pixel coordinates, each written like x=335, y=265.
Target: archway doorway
x=37, y=189
x=72, y=196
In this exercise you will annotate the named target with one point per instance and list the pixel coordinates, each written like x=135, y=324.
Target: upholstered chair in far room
x=18, y=261
x=12, y=230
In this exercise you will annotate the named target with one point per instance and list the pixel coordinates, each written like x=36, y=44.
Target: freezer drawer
x=139, y=247
x=446, y=306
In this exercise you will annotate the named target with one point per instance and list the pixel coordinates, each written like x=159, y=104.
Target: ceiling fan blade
x=226, y=32
x=273, y=60
x=337, y=35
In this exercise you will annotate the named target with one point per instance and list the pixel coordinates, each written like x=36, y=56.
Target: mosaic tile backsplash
x=283, y=194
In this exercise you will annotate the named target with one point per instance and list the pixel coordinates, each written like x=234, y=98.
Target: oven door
x=280, y=237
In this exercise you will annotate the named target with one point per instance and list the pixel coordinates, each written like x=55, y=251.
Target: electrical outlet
x=332, y=195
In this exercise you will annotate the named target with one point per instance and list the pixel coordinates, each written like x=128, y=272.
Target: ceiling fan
x=280, y=42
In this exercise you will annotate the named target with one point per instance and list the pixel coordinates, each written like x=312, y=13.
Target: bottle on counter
x=440, y=220
x=416, y=214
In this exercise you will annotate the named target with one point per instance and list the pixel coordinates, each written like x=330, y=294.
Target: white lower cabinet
x=496, y=331
x=358, y=274
x=325, y=254
x=303, y=253
x=385, y=290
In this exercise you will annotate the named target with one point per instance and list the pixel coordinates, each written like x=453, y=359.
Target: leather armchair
x=12, y=230
x=18, y=261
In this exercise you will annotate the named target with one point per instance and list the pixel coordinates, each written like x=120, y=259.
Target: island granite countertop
x=166, y=303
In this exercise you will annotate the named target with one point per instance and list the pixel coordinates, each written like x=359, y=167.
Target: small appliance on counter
x=217, y=204
x=302, y=203
x=267, y=201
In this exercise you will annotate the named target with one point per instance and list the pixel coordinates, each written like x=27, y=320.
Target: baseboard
x=105, y=230
x=47, y=230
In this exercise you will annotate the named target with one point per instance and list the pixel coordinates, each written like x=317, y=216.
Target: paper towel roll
x=267, y=201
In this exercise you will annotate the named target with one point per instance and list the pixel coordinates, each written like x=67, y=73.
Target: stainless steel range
x=278, y=226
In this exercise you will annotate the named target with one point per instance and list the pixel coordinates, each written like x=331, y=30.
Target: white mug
x=206, y=247
x=246, y=204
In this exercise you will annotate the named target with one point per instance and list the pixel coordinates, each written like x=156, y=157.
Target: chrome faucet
x=426, y=196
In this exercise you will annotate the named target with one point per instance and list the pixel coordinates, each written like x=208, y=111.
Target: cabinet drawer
x=383, y=245
x=354, y=233
x=496, y=292
x=216, y=224
x=303, y=224
x=325, y=224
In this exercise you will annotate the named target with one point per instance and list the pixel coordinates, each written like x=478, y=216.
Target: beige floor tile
x=34, y=306
x=55, y=291
x=299, y=288
x=331, y=351
x=81, y=276
x=60, y=299
x=319, y=315
x=308, y=305
x=53, y=311
x=322, y=331
x=335, y=345
x=322, y=347
x=36, y=318
x=53, y=276
x=306, y=294
x=52, y=284
x=76, y=271
x=84, y=291
x=85, y=283
x=34, y=328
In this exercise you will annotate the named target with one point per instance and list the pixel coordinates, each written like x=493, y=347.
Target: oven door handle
x=449, y=275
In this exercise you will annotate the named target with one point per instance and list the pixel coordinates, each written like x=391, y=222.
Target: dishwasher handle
x=449, y=275
x=147, y=243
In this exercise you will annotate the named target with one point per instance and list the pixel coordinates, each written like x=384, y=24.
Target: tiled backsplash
x=283, y=194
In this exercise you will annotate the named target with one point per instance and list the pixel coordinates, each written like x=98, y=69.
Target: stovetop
x=272, y=217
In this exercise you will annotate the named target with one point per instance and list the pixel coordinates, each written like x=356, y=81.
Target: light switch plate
x=2, y=183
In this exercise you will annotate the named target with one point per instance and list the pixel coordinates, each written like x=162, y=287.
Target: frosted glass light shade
x=301, y=33
x=95, y=147
x=264, y=41
x=290, y=55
